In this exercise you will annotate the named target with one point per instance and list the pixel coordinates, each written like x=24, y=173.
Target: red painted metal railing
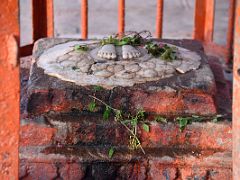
x=43, y=24
x=204, y=27
x=121, y=17
x=9, y=70
x=159, y=19
x=236, y=97
x=84, y=18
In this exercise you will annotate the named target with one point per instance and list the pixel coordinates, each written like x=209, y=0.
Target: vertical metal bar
x=50, y=18
x=209, y=20
x=42, y=19
x=9, y=88
x=230, y=29
x=204, y=20
x=84, y=18
x=121, y=17
x=199, y=20
x=236, y=96
x=159, y=19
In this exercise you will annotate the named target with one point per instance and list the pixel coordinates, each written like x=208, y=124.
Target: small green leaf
x=216, y=118
x=134, y=121
x=160, y=119
x=183, y=122
x=80, y=48
x=92, y=106
x=111, y=152
x=106, y=113
x=146, y=127
x=165, y=52
x=97, y=88
x=118, y=115
x=140, y=114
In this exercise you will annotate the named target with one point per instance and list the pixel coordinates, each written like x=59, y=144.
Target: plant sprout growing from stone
x=130, y=123
x=129, y=43
x=184, y=121
x=163, y=51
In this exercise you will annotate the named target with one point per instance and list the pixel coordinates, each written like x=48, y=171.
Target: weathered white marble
x=130, y=52
x=87, y=68
x=108, y=51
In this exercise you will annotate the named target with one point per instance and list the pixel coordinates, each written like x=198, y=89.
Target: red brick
x=91, y=129
x=205, y=173
x=223, y=174
x=41, y=101
x=199, y=135
x=159, y=171
x=72, y=171
x=156, y=164
x=40, y=171
x=174, y=103
x=133, y=171
x=79, y=132
x=186, y=173
x=33, y=135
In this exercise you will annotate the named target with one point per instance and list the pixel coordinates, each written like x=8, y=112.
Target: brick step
x=77, y=162
x=65, y=129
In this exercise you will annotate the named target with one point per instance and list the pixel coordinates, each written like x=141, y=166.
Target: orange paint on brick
x=36, y=135
x=51, y=101
x=172, y=103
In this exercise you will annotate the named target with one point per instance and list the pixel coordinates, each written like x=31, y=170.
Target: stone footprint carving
x=130, y=52
x=107, y=51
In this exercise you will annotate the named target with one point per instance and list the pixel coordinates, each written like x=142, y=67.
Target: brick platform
x=185, y=94
x=78, y=163
x=78, y=129
x=60, y=139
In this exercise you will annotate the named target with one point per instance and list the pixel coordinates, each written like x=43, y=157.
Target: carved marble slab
x=87, y=68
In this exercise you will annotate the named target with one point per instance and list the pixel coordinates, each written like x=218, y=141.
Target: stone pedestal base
x=61, y=139
x=178, y=95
